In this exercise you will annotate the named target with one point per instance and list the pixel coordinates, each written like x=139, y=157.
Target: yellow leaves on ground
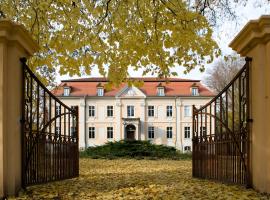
x=137, y=179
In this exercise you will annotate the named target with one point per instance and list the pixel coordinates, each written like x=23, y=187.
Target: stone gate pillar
x=15, y=42
x=254, y=41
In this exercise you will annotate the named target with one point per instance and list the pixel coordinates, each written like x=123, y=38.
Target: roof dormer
x=100, y=90
x=194, y=89
x=67, y=90
x=160, y=90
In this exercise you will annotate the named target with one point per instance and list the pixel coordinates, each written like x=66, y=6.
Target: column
x=142, y=121
x=254, y=41
x=15, y=42
x=83, y=140
x=179, y=142
x=118, y=116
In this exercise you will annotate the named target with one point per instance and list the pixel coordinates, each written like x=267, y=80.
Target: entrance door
x=130, y=132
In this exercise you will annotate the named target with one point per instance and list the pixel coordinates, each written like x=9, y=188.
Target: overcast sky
x=223, y=35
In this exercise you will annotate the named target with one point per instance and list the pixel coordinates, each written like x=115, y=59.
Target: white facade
x=161, y=119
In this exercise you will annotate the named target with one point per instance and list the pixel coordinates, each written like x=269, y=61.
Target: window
x=203, y=130
x=187, y=148
x=72, y=132
x=109, y=111
x=130, y=111
x=91, y=132
x=194, y=91
x=91, y=111
x=169, y=132
x=109, y=132
x=57, y=130
x=187, y=132
x=151, y=132
x=169, y=111
x=151, y=111
x=161, y=91
x=187, y=111
x=100, y=91
x=66, y=91
x=57, y=110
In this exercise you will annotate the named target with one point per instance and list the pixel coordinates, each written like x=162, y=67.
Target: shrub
x=133, y=149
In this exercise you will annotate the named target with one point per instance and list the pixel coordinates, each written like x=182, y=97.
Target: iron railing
x=49, y=134
x=221, y=136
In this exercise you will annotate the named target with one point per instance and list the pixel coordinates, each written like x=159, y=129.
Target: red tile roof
x=173, y=87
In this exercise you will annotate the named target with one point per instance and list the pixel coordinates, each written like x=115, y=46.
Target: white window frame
x=187, y=148
x=169, y=132
x=160, y=91
x=203, y=130
x=169, y=111
x=151, y=132
x=109, y=132
x=66, y=91
x=57, y=110
x=187, y=111
x=109, y=111
x=91, y=132
x=100, y=91
x=130, y=111
x=57, y=130
x=72, y=131
x=151, y=111
x=195, y=91
x=187, y=132
x=91, y=111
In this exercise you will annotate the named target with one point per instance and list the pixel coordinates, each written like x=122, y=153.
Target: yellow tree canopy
x=154, y=35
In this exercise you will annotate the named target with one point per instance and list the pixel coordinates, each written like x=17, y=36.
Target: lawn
x=137, y=179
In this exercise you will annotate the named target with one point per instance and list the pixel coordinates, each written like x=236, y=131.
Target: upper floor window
x=100, y=91
x=203, y=130
x=91, y=111
x=169, y=111
x=66, y=91
x=92, y=131
x=187, y=132
x=187, y=111
x=160, y=91
x=130, y=111
x=109, y=111
x=194, y=91
x=169, y=132
x=109, y=132
x=57, y=110
x=151, y=132
x=151, y=111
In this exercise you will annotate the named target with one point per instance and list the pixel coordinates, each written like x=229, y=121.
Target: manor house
x=160, y=110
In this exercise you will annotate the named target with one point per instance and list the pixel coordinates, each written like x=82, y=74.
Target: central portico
x=131, y=128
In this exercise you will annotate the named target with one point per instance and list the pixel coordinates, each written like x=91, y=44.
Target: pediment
x=131, y=92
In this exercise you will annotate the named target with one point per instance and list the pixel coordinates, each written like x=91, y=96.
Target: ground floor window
x=57, y=130
x=109, y=132
x=169, y=132
x=187, y=132
x=151, y=132
x=187, y=148
x=91, y=132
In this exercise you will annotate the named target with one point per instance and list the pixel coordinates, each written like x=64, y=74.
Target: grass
x=138, y=180
x=133, y=149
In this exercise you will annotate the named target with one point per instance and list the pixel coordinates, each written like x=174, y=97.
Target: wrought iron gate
x=49, y=134
x=221, y=136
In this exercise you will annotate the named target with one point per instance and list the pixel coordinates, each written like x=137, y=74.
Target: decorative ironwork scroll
x=49, y=134
x=221, y=135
